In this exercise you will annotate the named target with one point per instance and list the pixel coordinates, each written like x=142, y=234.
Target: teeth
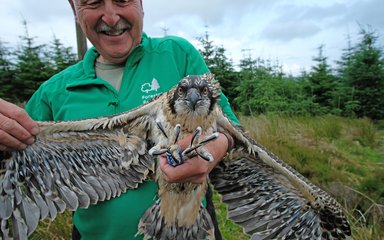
x=114, y=33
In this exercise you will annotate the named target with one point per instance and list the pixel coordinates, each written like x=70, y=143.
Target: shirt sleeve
x=226, y=107
x=38, y=107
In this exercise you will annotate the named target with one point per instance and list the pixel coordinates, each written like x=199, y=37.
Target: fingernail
x=30, y=140
x=35, y=130
x=22, y=146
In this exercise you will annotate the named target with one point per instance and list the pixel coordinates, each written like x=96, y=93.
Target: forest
x=354, y=88
x=332, y=114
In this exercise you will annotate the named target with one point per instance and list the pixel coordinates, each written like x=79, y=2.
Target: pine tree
x=246, y=86
x=60, y=56
x=223, y=70
x=344, y=94
x=208, y=49
x=31, y=69
x=219, y=65
x=6, y=73
x=322, y=82
x=366, y=76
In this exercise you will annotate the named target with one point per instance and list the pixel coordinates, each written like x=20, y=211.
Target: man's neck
x=102, y=59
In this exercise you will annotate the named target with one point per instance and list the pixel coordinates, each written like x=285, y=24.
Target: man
x=125, y=69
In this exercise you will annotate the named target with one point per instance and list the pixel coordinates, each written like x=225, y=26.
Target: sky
x=287, y=31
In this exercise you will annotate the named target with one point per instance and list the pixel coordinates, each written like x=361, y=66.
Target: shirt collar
x=91, y=55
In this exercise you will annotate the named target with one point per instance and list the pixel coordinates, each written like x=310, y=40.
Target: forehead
x=90, y=1
x=194, y=81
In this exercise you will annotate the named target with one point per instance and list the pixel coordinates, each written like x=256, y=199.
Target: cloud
x=224, y=15
x=213, y=11
x=366, y=13
x=45, y=11
x=288, y=31
x=301, y=21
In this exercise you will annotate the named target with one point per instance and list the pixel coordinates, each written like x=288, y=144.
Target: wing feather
x=268, y=206
x=72, y=165
x=269, y=198
x=110, y=122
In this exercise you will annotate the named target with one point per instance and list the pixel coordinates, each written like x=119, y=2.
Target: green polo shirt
x=154, y=66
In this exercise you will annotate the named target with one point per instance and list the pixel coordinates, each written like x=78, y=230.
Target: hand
x=196, y=169
x=17, y=129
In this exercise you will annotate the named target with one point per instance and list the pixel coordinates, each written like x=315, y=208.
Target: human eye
x=90, y=2
x=122, y=1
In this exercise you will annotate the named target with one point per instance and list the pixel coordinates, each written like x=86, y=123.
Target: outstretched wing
x=72, y=165
x=271, y=200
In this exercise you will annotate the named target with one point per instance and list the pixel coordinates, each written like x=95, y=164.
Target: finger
x=11, y=128
x=8, y=142
x=19, y=115
x=3, y=148
x=169, y=173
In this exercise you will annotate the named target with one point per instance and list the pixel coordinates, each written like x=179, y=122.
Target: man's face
x=114, y=27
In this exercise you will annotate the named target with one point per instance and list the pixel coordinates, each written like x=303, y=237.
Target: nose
x=110, y=15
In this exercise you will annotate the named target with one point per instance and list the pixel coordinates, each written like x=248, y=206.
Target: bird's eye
x=180, y=90
x=205, y=90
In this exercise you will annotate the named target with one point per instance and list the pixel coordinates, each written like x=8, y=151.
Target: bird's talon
x=207, y=157
x=177, y=132
x=156, y=152
x=172, y=160
x=196, y=133
x=161, y=128
x=209, y=138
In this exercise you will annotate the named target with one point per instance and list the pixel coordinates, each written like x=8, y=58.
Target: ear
x=73, y=8
x=142, y=8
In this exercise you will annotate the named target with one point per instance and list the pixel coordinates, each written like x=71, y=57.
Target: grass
x=343, y=156
x=59, y=229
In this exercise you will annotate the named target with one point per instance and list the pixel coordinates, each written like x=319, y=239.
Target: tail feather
x=153, y=226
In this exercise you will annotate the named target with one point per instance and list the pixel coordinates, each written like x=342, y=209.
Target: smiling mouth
x=117, y=30
x=114, y=32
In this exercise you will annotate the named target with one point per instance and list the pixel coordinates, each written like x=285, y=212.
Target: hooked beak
x=193, y=96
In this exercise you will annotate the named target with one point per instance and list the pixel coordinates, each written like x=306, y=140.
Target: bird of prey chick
x=77, y=163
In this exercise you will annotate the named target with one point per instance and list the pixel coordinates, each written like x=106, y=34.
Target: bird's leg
x=173, y=153
x=196, y=135
x=177, y=133
x=161, y=128
x=175, y=156
x=198, y=148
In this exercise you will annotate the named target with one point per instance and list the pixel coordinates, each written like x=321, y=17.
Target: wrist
x=231, y=142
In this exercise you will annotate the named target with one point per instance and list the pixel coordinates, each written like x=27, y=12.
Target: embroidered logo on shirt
x=150, y=87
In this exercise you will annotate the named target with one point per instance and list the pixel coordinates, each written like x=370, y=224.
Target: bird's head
x=195, y=95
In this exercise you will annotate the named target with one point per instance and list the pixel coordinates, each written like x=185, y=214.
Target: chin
x=114, y=56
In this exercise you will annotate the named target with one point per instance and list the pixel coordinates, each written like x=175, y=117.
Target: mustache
x=121, y=25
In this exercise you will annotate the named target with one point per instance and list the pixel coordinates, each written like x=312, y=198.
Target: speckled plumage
x=77, y=163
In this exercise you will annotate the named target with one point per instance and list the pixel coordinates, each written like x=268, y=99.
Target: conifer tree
x=220, y=65
x=60, y=56
x=31, y=69
x=246, y=86
x=365, y=76
x=6, y=73
x=344, y=97
x=322, y=82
